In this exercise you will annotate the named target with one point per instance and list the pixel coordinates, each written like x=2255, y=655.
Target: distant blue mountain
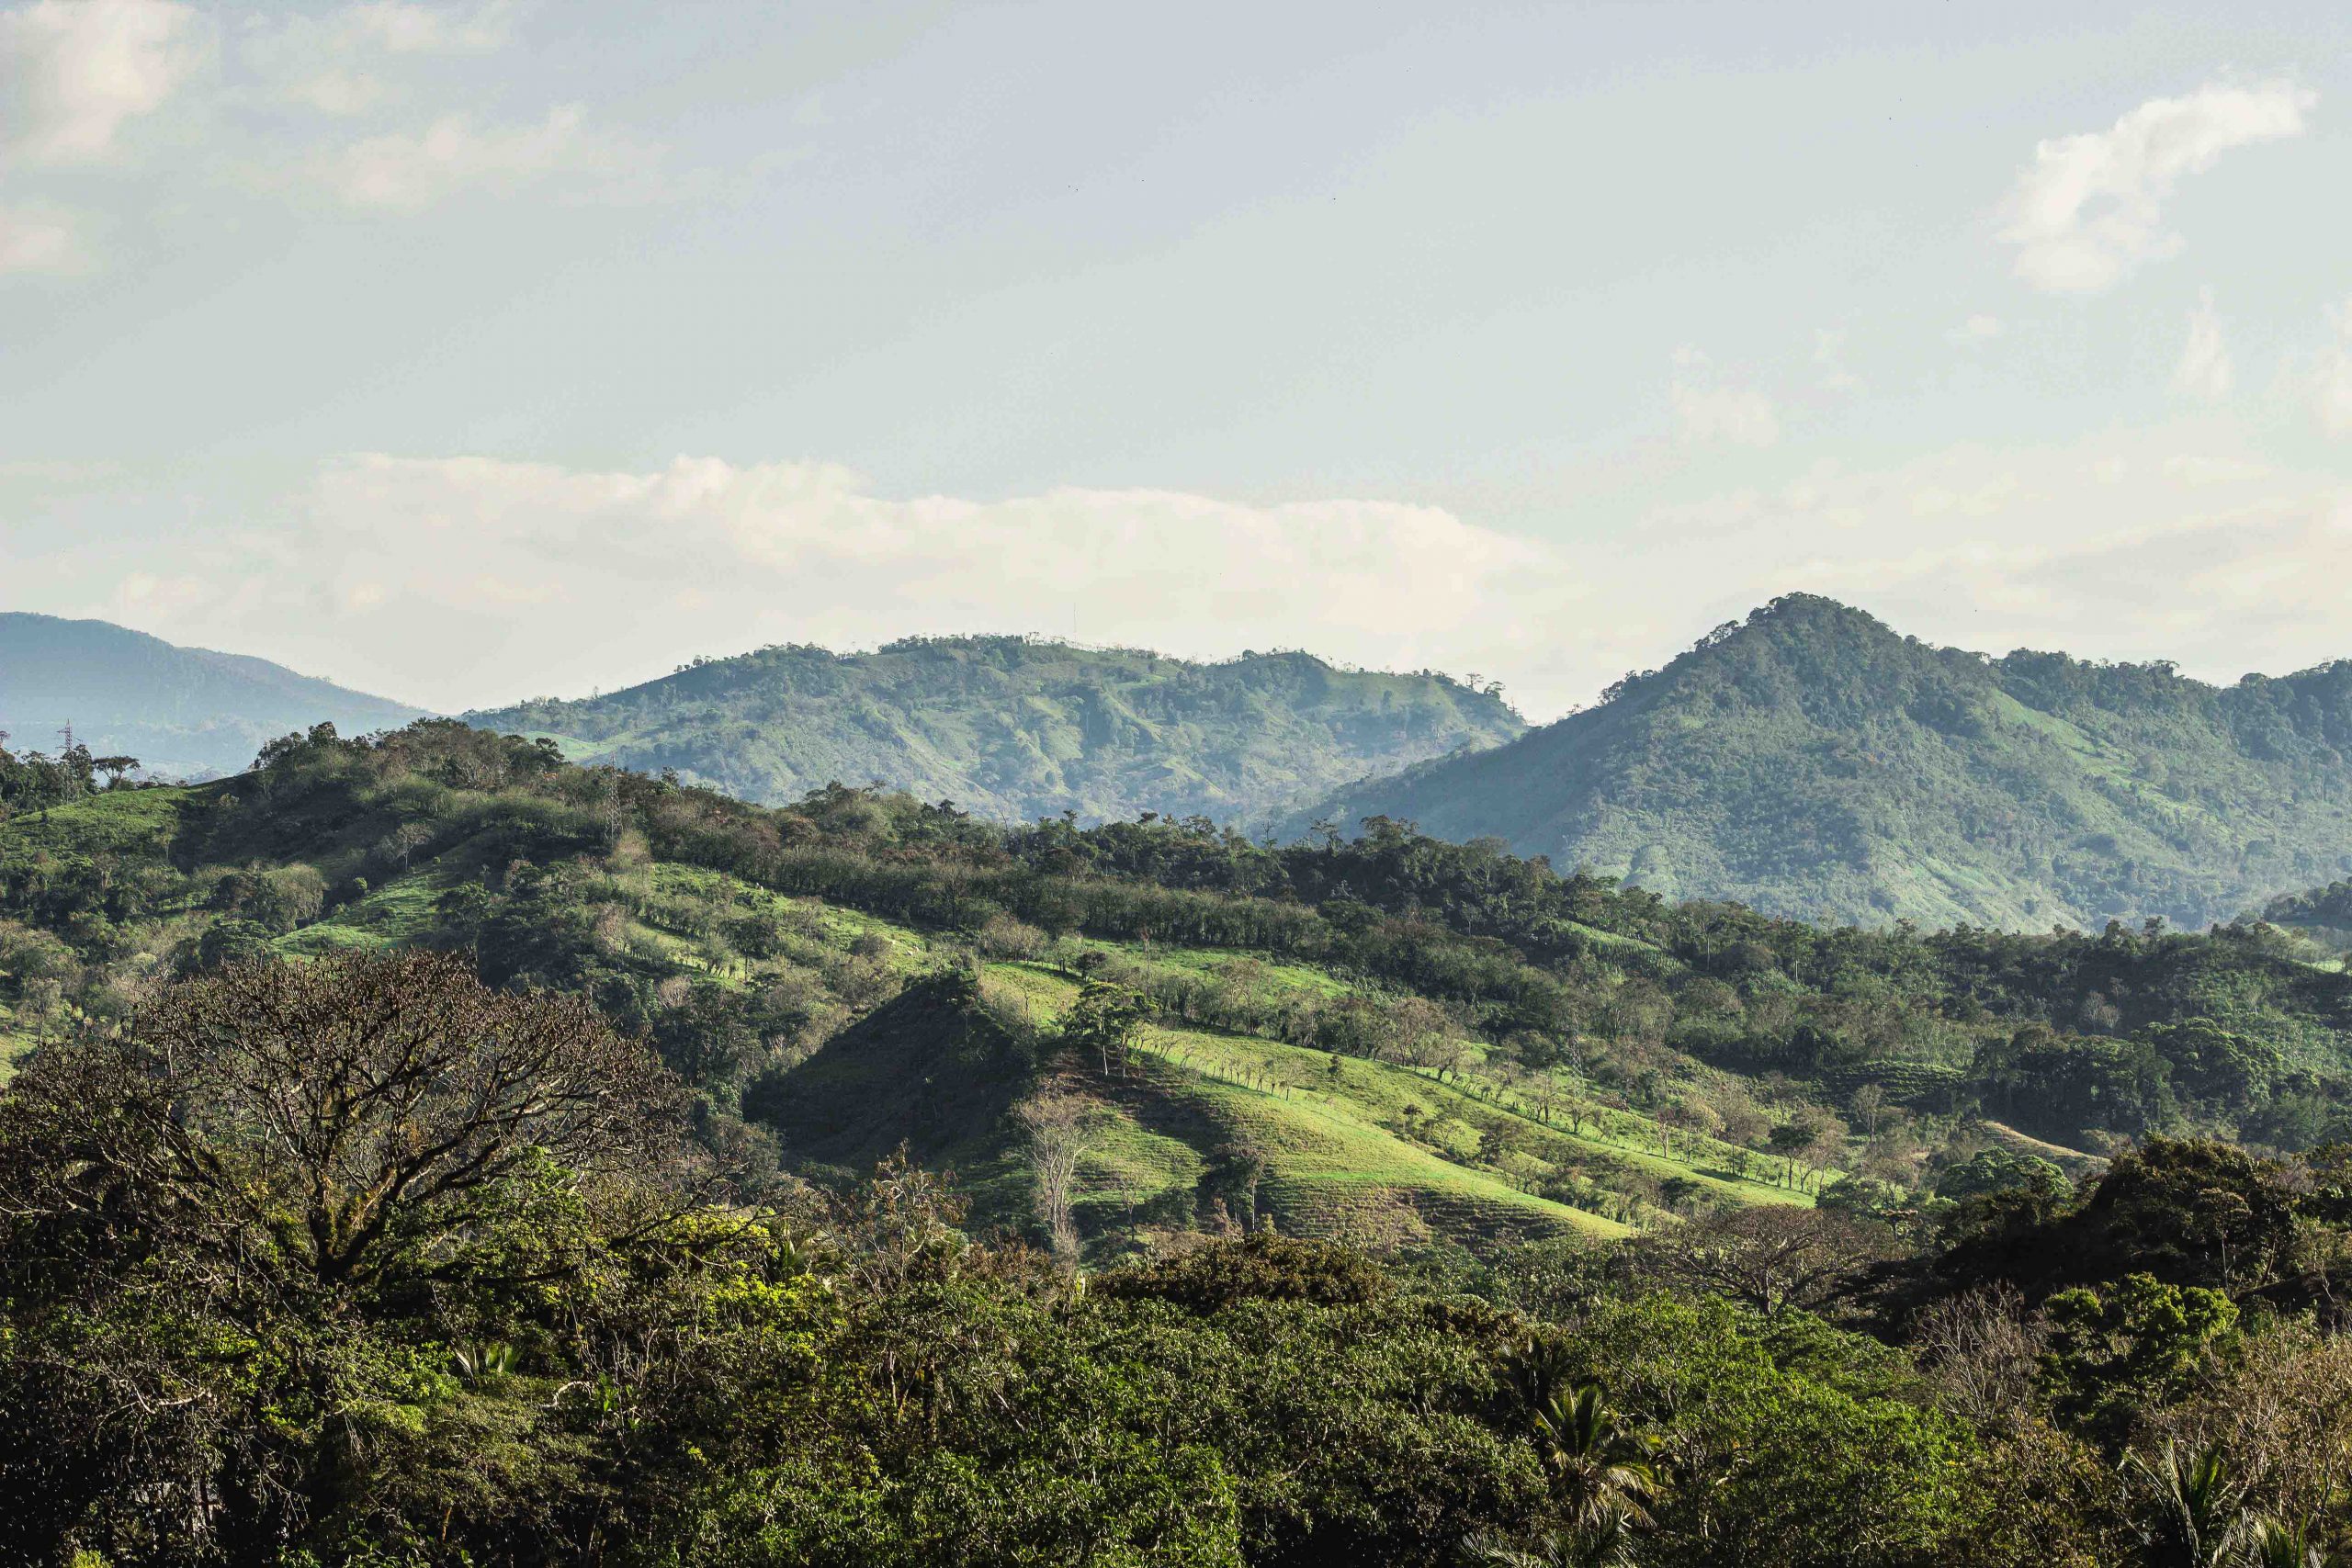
x=182, y=712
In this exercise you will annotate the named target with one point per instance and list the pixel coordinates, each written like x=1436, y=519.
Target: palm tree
x=1599, y=1466
x=2275, y=1544
x=2194, y=1513
x=1573, y=1549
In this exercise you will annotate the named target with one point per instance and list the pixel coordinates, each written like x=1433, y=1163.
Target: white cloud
x=38, y=239
x=1829, y=361
x=463, y=581
x=405, y=29
x=71, y=73
x=1979, y=328
x=336, y=91
x=2111, y=546
x=1738, y=414
x=2204, y=371
x=2172, y=542
x=409, y=170
x=337, y=64
x=1707, y=410
x=525, y=576
x=2089, y=209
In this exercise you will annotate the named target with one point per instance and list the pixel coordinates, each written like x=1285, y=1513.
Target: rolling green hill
x=1396, y=1041
x=182, y=712
x=1015, y=730
x=1813, y=763
x=822, y=1036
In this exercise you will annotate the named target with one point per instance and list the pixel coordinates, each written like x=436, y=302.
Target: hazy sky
x=464, y=352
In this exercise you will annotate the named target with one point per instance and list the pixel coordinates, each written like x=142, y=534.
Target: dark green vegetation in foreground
x=1013, y=728
x=359, y=1263
x=184, y=712
x=1814, y=763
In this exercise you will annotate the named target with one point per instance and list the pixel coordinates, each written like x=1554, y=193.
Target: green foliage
x=2136, y=1343
x=1519, y=1050
x=2003, y=1171
x=359, y=1262
x=1262, y=1268
x=2323, y=912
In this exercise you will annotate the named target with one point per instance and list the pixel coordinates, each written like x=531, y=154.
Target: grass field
x=129, y=822
x=390, y=916
x=1372, y=1147
x=13, y=1043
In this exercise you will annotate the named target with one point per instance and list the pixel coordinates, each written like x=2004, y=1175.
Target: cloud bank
x=474, y=581
x=2204, y=371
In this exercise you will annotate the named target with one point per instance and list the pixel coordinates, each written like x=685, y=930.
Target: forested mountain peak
x=1018, y=728
x=1816, y=762
x=181, y=711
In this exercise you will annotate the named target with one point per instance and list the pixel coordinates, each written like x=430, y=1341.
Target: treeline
x=30, y=781
x=2324, y=912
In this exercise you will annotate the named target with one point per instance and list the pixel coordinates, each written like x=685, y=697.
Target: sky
x=473, y=350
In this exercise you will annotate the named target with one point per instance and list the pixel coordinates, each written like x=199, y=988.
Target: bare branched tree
x=1984, y=1350
x=1773, y=1257
x=315, y=1118
x=1054, y=1123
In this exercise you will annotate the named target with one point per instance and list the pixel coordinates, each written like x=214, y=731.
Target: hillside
x=182, y=712
x=1016, y=730
x=1814, y=763
x=826, y=1035
x=1392, y=1042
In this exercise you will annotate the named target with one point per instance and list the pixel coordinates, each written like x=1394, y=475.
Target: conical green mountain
x=1014, y=730
x=1812, y=761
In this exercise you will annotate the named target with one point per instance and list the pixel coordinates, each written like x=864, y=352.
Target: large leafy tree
x=242, y=1231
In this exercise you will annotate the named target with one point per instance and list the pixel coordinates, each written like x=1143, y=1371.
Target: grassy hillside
x=1015, y=730
x=1814, y=763
x=857, y=1053
x=182, y=712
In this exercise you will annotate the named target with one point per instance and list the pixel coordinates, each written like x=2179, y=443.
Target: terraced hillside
x=1372, y=1151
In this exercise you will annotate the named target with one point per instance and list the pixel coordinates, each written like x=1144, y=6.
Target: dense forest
x=1012, y=728
x=1813, y=763
x=426, y=1150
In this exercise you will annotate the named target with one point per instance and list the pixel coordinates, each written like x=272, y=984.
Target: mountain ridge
x=1017, y=728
